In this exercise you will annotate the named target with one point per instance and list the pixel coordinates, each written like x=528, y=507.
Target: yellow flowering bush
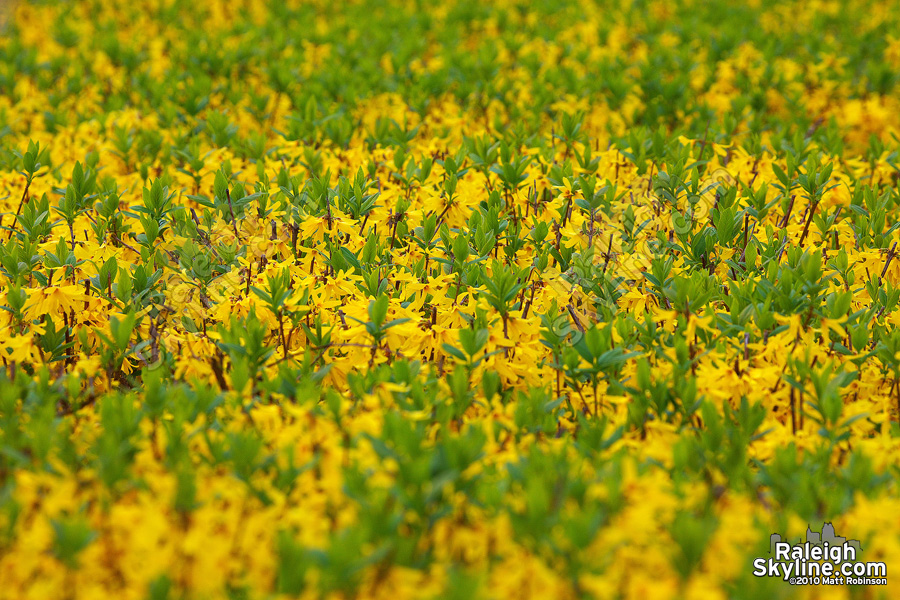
x=450, y=300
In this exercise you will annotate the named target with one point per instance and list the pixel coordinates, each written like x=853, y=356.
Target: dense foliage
x=450, y=300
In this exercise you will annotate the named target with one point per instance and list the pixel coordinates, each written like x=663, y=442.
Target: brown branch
x=19, y=209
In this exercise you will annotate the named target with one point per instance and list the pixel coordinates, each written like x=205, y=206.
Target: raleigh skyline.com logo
x=823, y=559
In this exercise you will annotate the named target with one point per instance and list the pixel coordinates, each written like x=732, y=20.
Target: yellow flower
x=19, y=348
x=54, y=300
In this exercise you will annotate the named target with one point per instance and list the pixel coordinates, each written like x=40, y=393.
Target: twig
x=233, y=220
x=812, y=212
x=19, y=209
x=575, y=318
x=890, y=257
